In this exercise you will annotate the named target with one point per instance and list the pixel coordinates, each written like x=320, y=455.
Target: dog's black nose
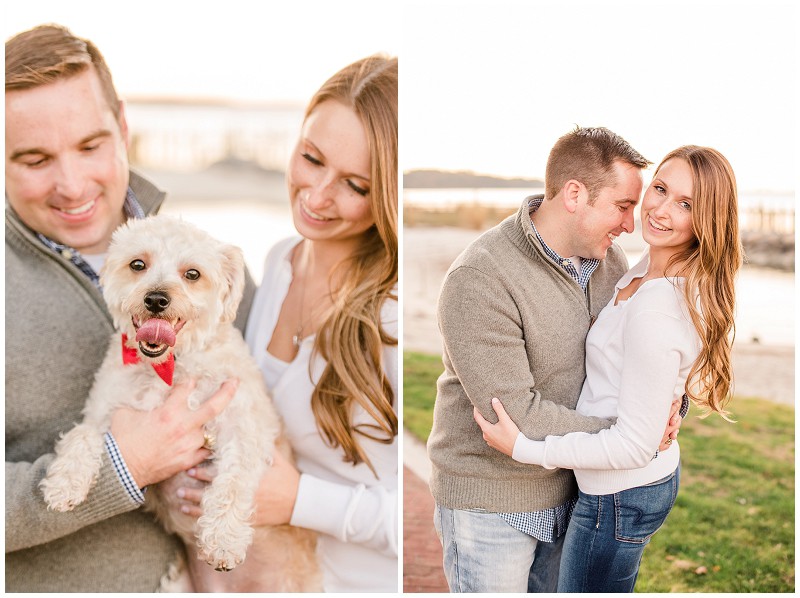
x=156, y=301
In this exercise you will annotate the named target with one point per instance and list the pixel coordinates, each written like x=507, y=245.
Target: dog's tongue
x=157, y=332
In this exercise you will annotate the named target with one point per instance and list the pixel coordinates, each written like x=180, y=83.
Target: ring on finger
x=209, y=440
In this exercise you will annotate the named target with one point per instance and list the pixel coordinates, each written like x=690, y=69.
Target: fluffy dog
x=173, y=292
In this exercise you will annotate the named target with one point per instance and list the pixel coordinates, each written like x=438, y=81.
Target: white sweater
x=638, y=356
x=356, y=513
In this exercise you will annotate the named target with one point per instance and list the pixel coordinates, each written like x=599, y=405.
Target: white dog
x=173, y=292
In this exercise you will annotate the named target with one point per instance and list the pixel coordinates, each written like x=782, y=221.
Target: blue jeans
x=483, y=553
x=607, y=535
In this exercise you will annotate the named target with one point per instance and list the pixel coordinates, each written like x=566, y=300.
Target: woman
x=323, y=329
x=664, y=332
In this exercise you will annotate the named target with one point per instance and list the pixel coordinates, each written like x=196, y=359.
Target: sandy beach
x=760, y=369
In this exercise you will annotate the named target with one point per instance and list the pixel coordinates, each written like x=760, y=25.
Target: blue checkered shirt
x=133, y=209
x=588, y=266
x=550, y=524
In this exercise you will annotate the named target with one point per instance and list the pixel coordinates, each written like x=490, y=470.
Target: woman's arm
x=360, y=514
x=653, y=352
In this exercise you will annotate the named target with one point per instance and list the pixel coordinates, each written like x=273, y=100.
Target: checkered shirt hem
x=545, y=526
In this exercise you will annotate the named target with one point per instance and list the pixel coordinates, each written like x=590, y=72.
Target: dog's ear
x=233, y=271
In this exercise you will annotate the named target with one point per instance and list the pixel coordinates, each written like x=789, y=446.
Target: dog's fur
x=155, y=255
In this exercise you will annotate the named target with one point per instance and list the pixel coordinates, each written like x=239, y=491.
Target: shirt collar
x=588, y=266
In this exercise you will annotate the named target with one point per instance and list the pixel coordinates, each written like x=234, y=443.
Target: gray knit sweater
x=513, y=325
x=57, y=332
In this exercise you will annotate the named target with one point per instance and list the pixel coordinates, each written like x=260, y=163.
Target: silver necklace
x=297, y=339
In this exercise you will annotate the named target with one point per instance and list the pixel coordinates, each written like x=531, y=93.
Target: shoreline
x=763, y=249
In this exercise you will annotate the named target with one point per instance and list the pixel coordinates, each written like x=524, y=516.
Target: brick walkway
x=422, y=553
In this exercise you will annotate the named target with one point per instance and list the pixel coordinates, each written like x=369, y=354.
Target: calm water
x=190, y=136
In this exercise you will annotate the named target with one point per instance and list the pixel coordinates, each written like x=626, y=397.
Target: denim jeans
x=607, y=535
x=483, y=553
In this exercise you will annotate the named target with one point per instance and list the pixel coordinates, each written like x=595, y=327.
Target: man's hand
x=502, y=435
x=160, y=443
x=673, y=426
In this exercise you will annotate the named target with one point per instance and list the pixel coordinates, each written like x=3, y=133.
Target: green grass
x=732, y=527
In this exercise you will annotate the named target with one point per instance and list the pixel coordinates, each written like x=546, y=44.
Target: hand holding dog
x=275, y=497
x=277, y=492
x=160, y=443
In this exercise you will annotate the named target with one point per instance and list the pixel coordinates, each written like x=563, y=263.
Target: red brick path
x=422, y=552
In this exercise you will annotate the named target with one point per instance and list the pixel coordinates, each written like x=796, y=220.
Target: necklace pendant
x=296, y=340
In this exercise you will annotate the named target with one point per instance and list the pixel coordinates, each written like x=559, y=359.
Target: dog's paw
x=223, y=566
x=66, y=486
x=224, y=560
x=60, y=497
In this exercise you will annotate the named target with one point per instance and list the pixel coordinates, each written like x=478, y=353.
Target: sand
x=759, y=370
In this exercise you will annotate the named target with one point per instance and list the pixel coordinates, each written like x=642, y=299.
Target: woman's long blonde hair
x=352, y=338
x=710, y=266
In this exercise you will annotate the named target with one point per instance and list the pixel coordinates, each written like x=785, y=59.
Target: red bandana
x=164, y=370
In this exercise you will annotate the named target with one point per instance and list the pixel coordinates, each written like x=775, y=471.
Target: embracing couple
x=601, y=409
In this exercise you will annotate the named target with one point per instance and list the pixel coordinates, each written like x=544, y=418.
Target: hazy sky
x=241, y=49
x=490, y=86
x=485, y=85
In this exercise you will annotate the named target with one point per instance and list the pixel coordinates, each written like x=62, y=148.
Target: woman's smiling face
x=667, y=206
x=329, y=175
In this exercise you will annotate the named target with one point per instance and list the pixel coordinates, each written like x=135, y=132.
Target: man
x=68, y=187
x=514, y=311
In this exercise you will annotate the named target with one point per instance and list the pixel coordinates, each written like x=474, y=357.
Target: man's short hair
x=49, y=53
x=587, y=155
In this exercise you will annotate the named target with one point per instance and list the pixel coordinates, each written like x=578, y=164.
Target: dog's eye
x=192, y=274
x=137, y=265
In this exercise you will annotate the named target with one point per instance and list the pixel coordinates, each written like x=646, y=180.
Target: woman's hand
x=502, y=435
x=277, y=492
x=185, y=491
x=673, y=426
x=275, y=497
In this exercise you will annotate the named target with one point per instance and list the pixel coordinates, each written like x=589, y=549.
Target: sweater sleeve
x=485, y=345
x=28, y=520
x=654, y=343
